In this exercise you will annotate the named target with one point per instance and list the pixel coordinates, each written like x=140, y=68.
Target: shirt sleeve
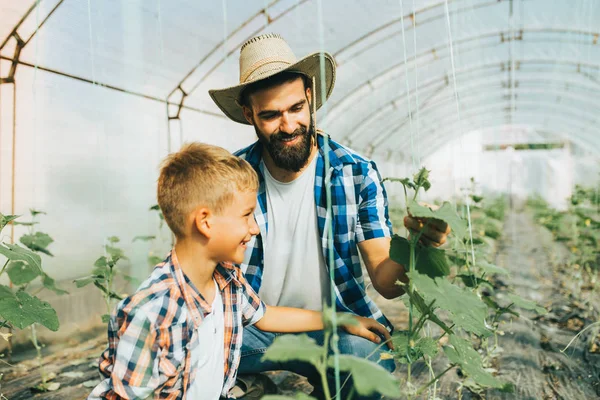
x=253, y=309
x=373, y=217
x=137, y=363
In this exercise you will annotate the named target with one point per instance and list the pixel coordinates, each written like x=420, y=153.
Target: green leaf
x=421, y=346
x=465, y=307
x=21, y=273
x=81, y=282
x=294, y=347
x=154, y=260
x=23, y=310
x=115, y=253
x=6, y=292
x=445, y=213
x=476, y=198
x=105, y=318
x=113, y=239
x=37, y=242
x=14, y=252
x=50, y=284
x=489, y=268
x=460, y=352
x=155, y=207
x=472, y=281
x=25, y=223
x=101, y=262
x=429, y=260
x=144, y=238
x=35, y=212
x=368, y=377
x=421, y=179
x=5, y=219
x=400, y=250
x=432, y=262
x=526, y=304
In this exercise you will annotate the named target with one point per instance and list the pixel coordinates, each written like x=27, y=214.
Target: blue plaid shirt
x=360, y=212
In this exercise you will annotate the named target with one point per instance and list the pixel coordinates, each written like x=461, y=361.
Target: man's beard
x=291, y=158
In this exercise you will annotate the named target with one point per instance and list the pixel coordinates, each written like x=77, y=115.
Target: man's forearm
x=290, y=320
x=387, y=273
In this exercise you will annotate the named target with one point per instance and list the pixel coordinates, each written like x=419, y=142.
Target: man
x=288, y=262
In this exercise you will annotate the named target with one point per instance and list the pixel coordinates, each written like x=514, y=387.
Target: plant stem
x=323, y=367
x=4, y=267
x=431, y=382
x=38, y=349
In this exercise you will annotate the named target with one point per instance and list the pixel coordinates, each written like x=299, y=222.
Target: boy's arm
x=130, y=363
x=293, y=320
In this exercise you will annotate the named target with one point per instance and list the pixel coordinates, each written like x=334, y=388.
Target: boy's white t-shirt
x=211, y=362
x=295, y=273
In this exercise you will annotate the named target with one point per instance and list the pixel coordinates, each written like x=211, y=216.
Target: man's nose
x=288, y=124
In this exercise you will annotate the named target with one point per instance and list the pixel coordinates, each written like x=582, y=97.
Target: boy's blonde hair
x=200, y=175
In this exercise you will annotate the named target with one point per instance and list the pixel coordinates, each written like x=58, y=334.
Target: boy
x=179, y=336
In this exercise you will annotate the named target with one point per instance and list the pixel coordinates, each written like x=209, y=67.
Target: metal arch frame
x=427, y=103
x=178, y=95
x=495, y=122
x=450, y=128
x=441, y=139
x=402, y=67
x=471, y=95
x=11, y=79
x=486, y=107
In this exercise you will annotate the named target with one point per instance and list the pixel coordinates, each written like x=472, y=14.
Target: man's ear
x=248, y=114
x=309, y=96
x=202, y=221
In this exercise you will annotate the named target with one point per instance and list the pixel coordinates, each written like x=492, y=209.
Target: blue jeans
x=256, y=342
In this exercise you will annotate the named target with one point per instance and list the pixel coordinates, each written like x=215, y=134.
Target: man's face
x=282, y=119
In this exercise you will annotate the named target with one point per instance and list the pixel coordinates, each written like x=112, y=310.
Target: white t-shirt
x=295, y=273
x=211, y=362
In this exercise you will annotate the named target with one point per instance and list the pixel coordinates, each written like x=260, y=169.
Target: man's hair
x=270, y=82
x=200, y=175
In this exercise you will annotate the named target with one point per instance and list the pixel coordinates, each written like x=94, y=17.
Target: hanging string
x=327, y=182
x=412, y=146
x=467, y=199
x=418, y=130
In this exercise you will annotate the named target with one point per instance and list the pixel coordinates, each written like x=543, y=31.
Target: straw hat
x=264, y=56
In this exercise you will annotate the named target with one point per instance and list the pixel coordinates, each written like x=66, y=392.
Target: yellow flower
x=574, y=249
x=588, y=222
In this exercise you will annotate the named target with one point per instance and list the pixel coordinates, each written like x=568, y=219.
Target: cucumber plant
x=20, y=309
x=104, y=274
x=431, y=297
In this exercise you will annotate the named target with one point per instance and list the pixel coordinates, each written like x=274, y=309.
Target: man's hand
x=435, y=231
x=369, y=329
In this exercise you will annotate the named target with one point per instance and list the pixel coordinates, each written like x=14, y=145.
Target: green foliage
x=368, y=378
x=466, y=309
x=429, y=260
x=21, y=310
x=104, y=273
x=461, y=352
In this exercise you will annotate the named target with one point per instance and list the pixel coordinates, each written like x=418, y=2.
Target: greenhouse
x=302, y=199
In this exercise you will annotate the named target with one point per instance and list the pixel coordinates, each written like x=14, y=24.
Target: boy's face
x=234, y=227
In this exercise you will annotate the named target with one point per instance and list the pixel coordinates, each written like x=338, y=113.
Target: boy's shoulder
x=158, y=300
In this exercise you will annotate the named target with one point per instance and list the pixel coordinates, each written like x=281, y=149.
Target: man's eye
x=297, y=108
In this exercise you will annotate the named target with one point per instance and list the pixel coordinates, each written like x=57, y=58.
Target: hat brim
x=228, y=99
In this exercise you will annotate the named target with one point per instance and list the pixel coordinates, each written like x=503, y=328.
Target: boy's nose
x=254, y=230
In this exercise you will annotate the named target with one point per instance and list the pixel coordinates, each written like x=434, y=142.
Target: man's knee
x=363, y=348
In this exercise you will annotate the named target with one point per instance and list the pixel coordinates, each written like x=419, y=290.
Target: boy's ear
x=202, y=221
